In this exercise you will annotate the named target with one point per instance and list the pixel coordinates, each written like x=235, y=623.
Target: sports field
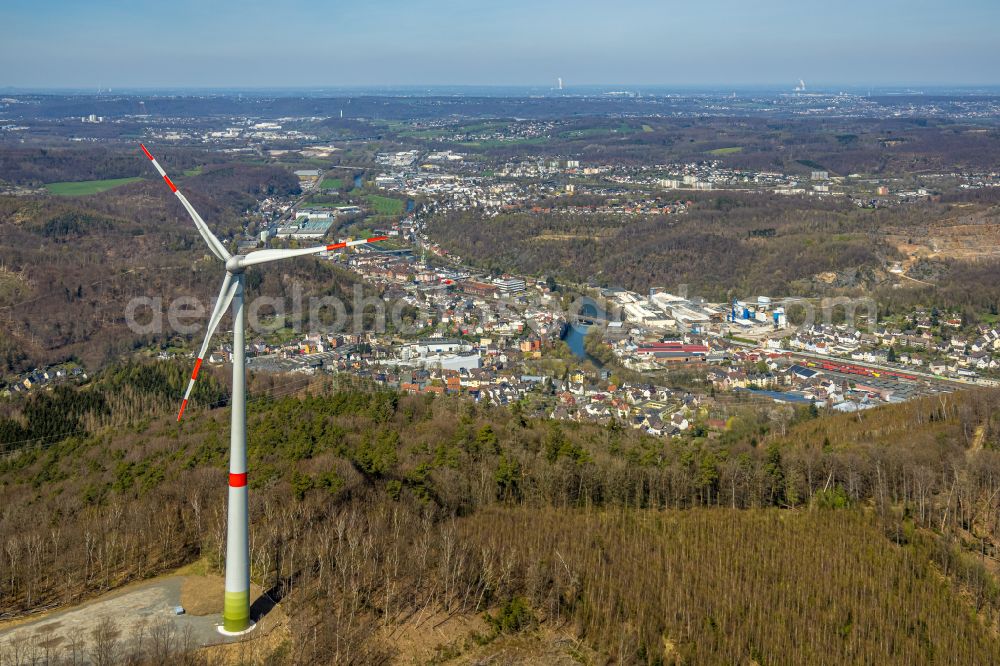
x=385, y=205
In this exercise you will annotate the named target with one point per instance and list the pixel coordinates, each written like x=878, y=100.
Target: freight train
x=851, y=369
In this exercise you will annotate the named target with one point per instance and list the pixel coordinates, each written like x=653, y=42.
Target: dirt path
x=977, y=439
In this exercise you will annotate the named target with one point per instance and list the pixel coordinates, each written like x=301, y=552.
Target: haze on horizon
x=254, y=44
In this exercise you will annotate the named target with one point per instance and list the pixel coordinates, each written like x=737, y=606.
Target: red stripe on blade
x=336, y=246
x=173, y=188
x=183, y=405
x=197, y=367
x=237, y=480
x=146, y=151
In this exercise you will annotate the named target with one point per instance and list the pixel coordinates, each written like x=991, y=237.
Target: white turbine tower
x=236, y=608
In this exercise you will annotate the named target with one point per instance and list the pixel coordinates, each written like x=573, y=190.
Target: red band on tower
x=237, y=480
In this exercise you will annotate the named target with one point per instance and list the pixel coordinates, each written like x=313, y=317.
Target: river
x=574, y=337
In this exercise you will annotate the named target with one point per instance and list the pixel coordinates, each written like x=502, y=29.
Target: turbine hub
x=235, y=264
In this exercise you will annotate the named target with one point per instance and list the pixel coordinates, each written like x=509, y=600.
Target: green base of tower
x=236, y=611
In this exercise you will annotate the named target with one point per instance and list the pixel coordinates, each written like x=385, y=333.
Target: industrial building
x=314, y=213
x=443, y=354
x=762, y=312
x=304, y=228
x=308, y=176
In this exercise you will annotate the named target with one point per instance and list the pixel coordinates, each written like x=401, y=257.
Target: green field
x=193, y=172
x=726, y=151
x=385, y=205
x=331, y=184
x=84, y=187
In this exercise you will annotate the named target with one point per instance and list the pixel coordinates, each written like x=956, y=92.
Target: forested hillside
x=710, y=247
x=36, y=166
x=813, y=247
x=816, y=539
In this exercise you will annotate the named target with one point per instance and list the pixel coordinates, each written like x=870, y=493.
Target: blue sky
x=516, y=42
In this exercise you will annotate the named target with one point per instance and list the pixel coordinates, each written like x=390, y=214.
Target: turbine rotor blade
x=226, y=294
x=214, y=244
x=267, y=256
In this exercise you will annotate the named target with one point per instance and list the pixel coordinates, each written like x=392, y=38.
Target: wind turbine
x=236, y=608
